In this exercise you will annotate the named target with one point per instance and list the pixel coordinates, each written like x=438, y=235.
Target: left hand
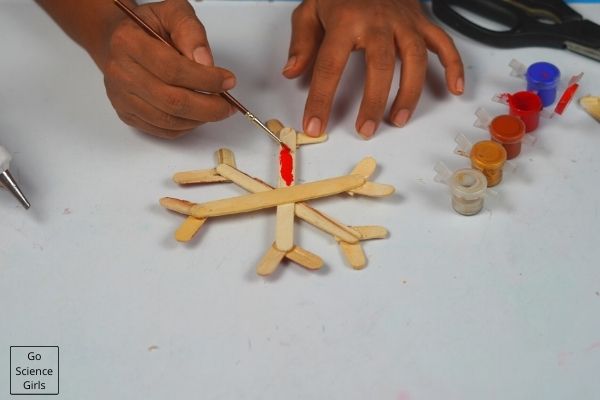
x=326, y=31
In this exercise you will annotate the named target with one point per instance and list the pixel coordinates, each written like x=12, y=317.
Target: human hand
x=326, y=31
x=154, y=88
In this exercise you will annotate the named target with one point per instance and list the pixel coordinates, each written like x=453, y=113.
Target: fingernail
x=401, y=118
x=367, y=129
x=460, y=85
x=290, y=64
x=202, y=56
x=228, y=83
x=232, y=110
x=314, y=127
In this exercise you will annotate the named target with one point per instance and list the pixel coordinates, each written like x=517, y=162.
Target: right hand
x=151, y=86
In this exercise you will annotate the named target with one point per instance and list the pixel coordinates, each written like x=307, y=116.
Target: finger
x=186, y=31
x=138, y=123
x=440, y=43
x=329, y=65
x=413, y=69
x=170, y=67
x=380, y=57
x=307, y=34
x=130, y=42
x=179, y=102
x=155, y=117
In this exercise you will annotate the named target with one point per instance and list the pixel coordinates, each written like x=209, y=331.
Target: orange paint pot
x=489, y=157
x=508, y=130
x=527, y=106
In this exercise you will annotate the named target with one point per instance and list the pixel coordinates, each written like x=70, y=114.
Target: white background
x=502, y=305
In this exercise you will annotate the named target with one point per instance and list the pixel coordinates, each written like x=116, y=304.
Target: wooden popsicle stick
x=304, y=211
x=198, y=176
x=189, y=228
x=275, y=126
x=326, y=223
x=354, y=254
x=305, y=258
x=303, y=138
x=371, y=232
x=243, y=180
x=284, y=227
x=374, y=189
x=225, y=156
x=365, y=167
x=270, y=261
x=177, y=205
x=275, y=197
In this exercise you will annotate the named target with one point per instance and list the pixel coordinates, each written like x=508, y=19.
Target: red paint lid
x=507, y=129
x=525, y=102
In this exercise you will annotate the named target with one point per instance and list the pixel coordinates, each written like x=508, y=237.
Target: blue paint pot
x=542, y=78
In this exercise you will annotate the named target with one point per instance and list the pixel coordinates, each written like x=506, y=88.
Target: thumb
x=186, y=31
x=307, y=34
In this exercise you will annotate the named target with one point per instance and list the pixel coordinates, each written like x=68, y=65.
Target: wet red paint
x=286, y=163
x=527, y=106
x=566, y=98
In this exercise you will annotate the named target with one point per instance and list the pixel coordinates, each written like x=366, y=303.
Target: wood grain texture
x=275, y=197
x=189, y=228
x=270, y=261
x=284, y=225
x=354, y=254
x=225, y=156
x=303, y=211
x=305, y=258
x=198, y=176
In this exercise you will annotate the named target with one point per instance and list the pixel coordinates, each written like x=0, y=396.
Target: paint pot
x=468, y=187
x=527, y=106
x=489, y=157
x=509, y=131
x=542, y=78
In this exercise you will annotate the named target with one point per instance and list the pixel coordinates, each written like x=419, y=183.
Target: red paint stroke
x=286, y=163
x=566, y=98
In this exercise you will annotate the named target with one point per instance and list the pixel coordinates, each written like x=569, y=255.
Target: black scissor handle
x=524, y=30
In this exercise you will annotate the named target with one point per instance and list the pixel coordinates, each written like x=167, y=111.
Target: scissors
x=543, y=23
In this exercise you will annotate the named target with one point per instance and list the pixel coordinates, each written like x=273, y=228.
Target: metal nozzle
x=9, y=182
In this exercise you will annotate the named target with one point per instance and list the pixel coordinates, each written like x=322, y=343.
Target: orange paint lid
x=507, y=129
x=488, y=155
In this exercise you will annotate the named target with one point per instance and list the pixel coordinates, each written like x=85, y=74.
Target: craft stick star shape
x=289, y=200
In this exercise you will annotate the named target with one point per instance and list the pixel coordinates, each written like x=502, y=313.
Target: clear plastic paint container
x=543, y=78
x=489, y=157
x=527, y=106
x=468, y=187
x=508, y=130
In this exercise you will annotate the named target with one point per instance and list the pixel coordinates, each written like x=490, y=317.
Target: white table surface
x=502, y=305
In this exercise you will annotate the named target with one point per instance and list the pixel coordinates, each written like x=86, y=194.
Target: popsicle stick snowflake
x=288, y=198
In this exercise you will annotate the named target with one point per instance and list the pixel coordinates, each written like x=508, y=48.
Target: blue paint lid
x=543, y=74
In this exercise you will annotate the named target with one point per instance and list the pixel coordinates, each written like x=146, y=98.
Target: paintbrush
x=230, y=99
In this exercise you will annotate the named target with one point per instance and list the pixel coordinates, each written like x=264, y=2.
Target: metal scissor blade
x=583, y=50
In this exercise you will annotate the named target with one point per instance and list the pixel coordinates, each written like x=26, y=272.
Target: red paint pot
x=508, y=130
x=527, y=106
